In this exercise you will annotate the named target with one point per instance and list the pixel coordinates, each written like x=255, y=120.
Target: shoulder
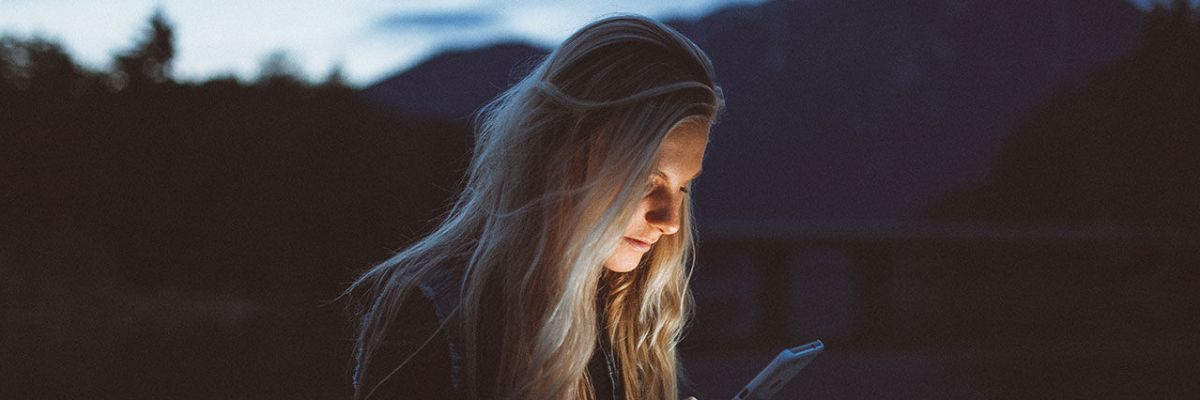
x=425, y=310
x=416, y=319
x=442, y=291
x=413, y=359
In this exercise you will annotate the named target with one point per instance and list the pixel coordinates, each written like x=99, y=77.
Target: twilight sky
x=369, y=38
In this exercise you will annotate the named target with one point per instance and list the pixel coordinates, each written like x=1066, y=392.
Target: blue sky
x=370, y=39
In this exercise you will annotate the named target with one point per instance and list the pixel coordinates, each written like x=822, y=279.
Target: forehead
x=682, y=151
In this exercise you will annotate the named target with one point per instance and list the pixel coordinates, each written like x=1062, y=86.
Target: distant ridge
x=454, y=84
x=842, y=110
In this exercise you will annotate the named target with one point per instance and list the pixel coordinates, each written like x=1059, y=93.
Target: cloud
x=436, y=20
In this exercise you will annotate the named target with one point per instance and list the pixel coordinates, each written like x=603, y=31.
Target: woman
x=561, y=271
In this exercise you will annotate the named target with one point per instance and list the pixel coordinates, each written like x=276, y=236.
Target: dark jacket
x=437, y=369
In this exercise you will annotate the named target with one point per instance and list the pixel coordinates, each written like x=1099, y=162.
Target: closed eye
x=684, y=189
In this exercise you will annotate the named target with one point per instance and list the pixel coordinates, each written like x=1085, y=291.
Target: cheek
x=634, y=226
x=626, y=258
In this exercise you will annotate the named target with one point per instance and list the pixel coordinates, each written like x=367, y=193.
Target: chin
x=622, y=264
x=621, y=267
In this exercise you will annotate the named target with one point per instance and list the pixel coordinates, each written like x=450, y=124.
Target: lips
x=638, y=245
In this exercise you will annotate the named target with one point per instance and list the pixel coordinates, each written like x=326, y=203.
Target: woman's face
x=676, y=165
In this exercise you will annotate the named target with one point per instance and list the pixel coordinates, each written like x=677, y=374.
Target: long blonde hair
x=560, y=162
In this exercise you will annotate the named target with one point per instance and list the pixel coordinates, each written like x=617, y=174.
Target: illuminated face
x=676, y=165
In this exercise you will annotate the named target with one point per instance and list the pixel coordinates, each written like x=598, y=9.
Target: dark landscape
x=963, y=199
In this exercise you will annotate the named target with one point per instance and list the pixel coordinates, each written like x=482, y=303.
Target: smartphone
x=780, y=371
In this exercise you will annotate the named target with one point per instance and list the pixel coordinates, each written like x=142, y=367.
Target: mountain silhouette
x=841, y=110
x=454, y=84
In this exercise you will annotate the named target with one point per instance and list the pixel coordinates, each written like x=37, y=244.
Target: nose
x=665, y=211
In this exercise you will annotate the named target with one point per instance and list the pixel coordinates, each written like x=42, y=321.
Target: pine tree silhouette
x=149, y=61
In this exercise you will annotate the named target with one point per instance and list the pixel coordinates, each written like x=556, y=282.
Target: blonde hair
x=560, y=162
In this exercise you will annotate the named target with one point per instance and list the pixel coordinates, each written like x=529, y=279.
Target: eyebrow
x=664, y=174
